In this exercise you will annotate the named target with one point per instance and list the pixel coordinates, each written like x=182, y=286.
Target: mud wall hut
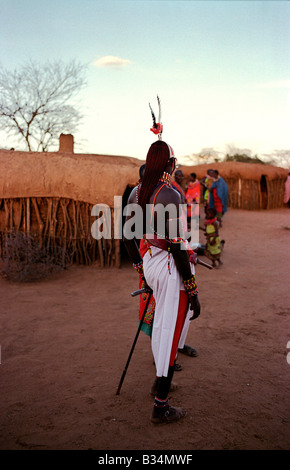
x=51, y=195
x=252, y=186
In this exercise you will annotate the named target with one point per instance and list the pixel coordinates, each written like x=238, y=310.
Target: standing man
x=165, y=266
x=218, y=198
x=182, y=347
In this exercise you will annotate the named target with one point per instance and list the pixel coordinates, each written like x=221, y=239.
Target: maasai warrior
x=147, y=323
x=213, y=244
x=165, y=266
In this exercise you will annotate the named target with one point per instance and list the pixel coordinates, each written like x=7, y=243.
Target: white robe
x=166, y=290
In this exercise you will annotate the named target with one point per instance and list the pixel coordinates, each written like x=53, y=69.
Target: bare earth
x=65, y=343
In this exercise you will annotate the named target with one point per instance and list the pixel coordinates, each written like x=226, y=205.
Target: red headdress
x=157, y=127
x=157, y=158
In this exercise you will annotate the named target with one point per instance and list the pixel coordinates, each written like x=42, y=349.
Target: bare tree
x=232, y=149
x=35, y=102
x=278, y=158
x=206, y=155
x=209, y=155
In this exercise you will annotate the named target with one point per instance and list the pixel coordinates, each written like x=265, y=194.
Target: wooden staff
x=202, y=263
x=133, y=294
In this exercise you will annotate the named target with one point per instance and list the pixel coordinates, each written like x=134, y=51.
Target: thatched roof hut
x=52, y=195
x=89, y=178
x=252, y=186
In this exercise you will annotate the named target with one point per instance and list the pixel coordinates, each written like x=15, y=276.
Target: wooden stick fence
x=59, y=223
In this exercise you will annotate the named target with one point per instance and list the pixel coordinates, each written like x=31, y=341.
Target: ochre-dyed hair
x=157, y=158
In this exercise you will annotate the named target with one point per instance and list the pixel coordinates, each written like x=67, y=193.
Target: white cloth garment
x=166, y=288
x=185, y=329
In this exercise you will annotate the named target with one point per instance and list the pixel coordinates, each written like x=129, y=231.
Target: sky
x=220, y=68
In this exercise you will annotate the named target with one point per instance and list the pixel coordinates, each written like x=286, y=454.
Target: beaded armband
x=177, y=240
x=139, y=267
x=190, y=286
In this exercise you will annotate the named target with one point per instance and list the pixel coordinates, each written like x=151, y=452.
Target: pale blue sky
x=221, y=69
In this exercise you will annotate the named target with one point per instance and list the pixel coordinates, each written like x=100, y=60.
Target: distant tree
x=206, y=155
x=237, y=157
x=35, y=102
x=235, y=154
x=209, y=154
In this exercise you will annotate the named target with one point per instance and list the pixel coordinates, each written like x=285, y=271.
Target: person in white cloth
x=163, y=260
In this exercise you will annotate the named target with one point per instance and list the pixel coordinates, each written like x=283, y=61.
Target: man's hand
x=145, y=285
x=195, y=306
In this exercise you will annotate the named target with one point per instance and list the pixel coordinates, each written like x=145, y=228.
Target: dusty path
x=65, y=342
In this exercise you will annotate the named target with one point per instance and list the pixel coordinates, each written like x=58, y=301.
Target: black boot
x=168, y=415
x=162, y=411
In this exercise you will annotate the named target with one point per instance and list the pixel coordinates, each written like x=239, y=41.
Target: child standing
x=213, y=247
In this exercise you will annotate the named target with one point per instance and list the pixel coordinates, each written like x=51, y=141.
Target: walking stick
x=133, y=294
x=202, y=263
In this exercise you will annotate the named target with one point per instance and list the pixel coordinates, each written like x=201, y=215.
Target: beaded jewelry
x=177, y=240
x=190, y=286
x=168, y=260
x=139, y=267
x=166, y=178
x=138, y=192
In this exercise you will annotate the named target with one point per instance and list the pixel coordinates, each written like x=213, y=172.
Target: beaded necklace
x=138, y=192
x=165, y=178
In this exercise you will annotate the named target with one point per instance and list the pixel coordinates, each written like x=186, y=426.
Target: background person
x=192, y=197
x=213, y=247
x=218, y=195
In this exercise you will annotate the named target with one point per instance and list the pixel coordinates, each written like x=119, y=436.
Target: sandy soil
x=65, y=343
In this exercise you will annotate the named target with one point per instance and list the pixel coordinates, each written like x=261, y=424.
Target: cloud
x=112, y=61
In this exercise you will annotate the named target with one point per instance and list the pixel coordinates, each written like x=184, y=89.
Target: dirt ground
x=65, y=342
